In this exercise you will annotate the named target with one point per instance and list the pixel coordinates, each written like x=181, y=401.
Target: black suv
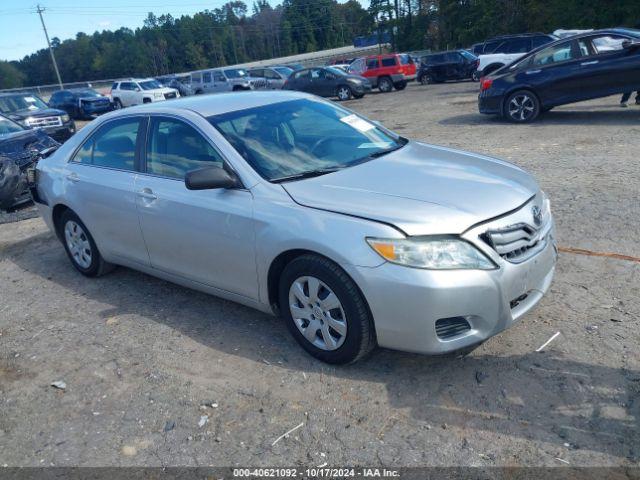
x=443, y=66
x=30, y=111
x=80, y=103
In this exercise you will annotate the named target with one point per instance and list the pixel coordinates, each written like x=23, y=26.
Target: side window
x=114, y=86
x=389, y=62
x=607, y=44
x=491, y=47
x=175, y=148
x=555, y=54
x=372, y=63
x=541, y=40
x=206, y=77
x=196, y=78
x=112, y=146
x=256, y=73
x=517, y=45
x=452, y=57
x=55, y=98
x=302, y=74
x=358, y=66
x=271, y=74
x=219, y=77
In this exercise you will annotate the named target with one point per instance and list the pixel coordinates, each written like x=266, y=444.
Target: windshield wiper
x=402, y=142
x=307, y=174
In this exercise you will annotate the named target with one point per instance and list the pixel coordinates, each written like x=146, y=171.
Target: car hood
x=23, y=145
x=420, y=189
x=45, y=112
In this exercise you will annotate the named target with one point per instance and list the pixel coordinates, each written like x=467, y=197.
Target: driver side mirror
x=137, y=89
x=631, y=44
x=211, y=178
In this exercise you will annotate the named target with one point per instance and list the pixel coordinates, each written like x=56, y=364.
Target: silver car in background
x=295, y=206
x=221, y=80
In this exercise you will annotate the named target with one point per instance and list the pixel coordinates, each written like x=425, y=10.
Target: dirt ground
x=144, y=360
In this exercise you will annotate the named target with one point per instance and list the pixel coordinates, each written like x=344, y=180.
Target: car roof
x=11, y=94
x=208, y=105
x=518, y=35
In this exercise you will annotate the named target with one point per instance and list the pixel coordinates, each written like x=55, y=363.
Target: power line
x=53, y=57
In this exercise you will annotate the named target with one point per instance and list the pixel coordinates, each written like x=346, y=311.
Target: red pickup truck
x=386, y=71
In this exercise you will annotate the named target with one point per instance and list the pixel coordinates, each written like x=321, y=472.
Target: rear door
x=205, y=236
x=220, y=82
x=99, y=185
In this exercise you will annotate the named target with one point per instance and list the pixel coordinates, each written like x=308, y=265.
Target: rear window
x=389, y=62
x=405, y=59
x=114, y=86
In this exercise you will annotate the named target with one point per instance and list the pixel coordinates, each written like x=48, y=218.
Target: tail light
x=485, y=83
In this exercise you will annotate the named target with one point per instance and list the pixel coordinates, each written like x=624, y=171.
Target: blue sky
x=21, y=32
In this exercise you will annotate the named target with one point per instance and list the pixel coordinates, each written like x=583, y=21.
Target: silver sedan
x=293, y=205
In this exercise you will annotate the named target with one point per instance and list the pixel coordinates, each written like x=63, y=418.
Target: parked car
x=20, y=148
x=80, y=103
x=219, y=80
x=31, y=111
x=386, y=71
x=136, y=91
x=328, y=82
x=180, y=83
x=296, y=206
x=293, y=66
x=274, y=77
x=443, y=66
x=581, y=67
x=501, y=51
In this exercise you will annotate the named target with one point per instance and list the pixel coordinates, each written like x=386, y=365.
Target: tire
x=343, y=92
x=353, y=336
x=80, y=246
x=385, y=85
x=400, y=85
x=426, y=79
x=475, y=76
x=522, y=106
x=117, y=104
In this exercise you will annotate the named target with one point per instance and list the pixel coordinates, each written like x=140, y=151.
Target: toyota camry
x=296, y=206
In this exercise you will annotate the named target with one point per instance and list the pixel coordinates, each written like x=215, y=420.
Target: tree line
x=234, y=34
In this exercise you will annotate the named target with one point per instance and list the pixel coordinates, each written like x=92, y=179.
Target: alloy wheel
x=78, y=244
x=318, y=313
x=521, y=107
x=344, y=93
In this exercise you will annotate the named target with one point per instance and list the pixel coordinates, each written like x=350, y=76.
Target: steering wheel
x=318, y=144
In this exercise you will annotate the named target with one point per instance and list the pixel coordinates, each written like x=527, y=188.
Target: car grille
x=169, y=95
x=258, y=84
x=447, y=328
x=45, y=122
x=520, y=242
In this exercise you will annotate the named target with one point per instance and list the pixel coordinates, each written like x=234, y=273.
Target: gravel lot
x=141, y=356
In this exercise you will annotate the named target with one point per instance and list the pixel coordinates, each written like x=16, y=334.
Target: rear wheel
x=80, y=246
x=426, y=79
x=385, y=85
x=475, y=76
x=521, y=107
x=325, y=311
x=343, y=93
x=117, y=104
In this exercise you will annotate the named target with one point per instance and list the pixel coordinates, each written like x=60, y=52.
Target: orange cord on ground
x=581, y=251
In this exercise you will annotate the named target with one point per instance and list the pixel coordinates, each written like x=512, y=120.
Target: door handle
x=584, y=64
x=73, y=177
x=147, y=194
x=532, y=72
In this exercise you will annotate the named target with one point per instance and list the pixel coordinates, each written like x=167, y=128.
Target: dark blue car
x=587, y=66
x=80, y=103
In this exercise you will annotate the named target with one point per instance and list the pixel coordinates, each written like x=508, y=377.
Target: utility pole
x=53, y=58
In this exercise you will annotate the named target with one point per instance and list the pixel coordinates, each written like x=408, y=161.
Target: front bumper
x=62, y=133
x=407, y=304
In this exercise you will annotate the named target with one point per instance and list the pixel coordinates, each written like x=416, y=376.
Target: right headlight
x=435, y=253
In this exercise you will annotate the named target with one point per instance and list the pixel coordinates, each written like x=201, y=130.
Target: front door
x=205, y=236
x=100, y=187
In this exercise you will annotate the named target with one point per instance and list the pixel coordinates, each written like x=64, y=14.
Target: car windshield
x=468, y=55
x=87, y=93
x=289, y=139
x=150, y=84
x=8, y=127
x=337, y=71
x=284, y=70
x=236, y=73
x=15, y=103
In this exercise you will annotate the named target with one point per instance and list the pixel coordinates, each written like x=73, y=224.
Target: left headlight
x=435, y=253
x=65, y=118
x=158, y=95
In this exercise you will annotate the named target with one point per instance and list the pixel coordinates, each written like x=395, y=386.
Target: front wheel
x=385, y=85
x=117, y=104
x=426, y=79
x=521, y=107
x=80, y=246
x=344, y=93
x=325, y=311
